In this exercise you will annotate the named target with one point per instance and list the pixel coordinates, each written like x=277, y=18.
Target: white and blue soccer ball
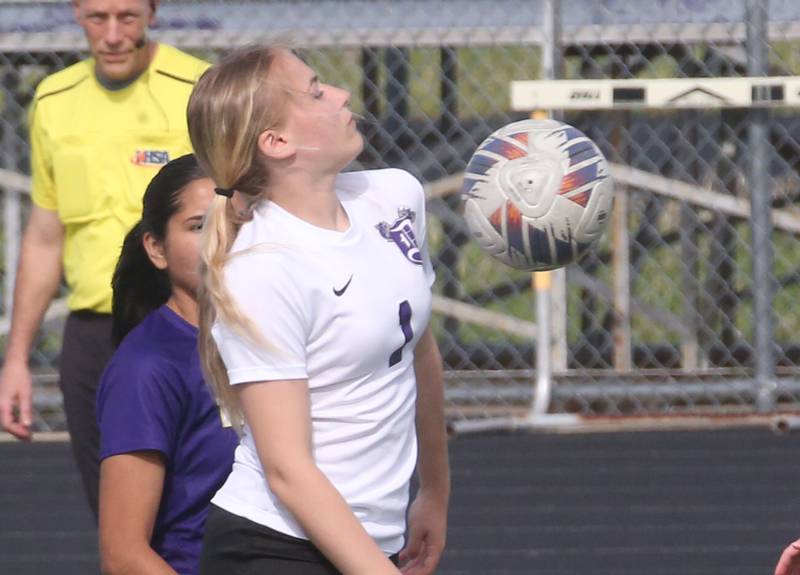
x=537, y=194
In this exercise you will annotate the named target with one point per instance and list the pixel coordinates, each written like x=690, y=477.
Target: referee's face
x=117, y=34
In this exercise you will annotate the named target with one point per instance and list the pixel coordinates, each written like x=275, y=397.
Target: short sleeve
x=263, y=289
x=43, y=191
x=422, y=230
x=139, y=407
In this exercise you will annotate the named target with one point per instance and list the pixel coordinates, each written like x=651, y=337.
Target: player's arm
x=789, y=562
x=278, y=414
x=428, y=514
x=131, y=485
x=38, y=277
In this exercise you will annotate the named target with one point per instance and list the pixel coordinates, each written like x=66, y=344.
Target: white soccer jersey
x=343, y=310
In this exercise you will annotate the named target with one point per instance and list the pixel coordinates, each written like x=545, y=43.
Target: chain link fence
x=663, y=317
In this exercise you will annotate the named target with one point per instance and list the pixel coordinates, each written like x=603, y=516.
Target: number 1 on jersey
x=404, y=312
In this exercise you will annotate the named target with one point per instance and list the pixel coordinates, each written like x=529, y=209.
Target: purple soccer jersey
x=152, y=397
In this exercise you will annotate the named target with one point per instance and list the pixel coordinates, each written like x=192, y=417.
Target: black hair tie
x=227, y=192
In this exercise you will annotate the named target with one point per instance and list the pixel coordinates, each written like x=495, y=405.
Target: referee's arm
x=37, y=281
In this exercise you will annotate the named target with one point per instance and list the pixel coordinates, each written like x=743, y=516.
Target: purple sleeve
x=139, y=406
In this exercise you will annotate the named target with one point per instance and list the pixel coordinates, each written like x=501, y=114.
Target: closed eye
x=195, y=223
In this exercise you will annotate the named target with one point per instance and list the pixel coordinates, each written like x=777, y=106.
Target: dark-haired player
x=163, y=448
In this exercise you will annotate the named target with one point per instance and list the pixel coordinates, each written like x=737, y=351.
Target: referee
x=99, y=131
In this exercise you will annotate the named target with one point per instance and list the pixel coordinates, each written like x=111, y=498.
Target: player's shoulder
x=265, y=253
x=64, y=82
x=267, y=259
x=393, y=181
x=177, y=65
x=379, y=177
x=148, y=360
x=137, y=362
x=155, y=340
x=141, y=368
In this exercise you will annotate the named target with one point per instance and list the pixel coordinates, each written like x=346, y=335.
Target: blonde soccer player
x=314, y=333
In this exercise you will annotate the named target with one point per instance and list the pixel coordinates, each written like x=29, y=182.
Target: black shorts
x=233, y=545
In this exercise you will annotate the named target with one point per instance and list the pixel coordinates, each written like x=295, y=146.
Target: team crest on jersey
x=401, y=232
x=150, y=157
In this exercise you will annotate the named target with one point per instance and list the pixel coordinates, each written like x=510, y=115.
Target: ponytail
x=231, y=104
x=219, y=233
x=138, y=286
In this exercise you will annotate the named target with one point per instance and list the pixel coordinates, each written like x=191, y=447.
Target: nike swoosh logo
x=339, y=292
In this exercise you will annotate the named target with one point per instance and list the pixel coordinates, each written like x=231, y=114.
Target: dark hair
x=140, y=287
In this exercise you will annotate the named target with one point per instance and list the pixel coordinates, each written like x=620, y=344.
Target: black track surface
x=656, y=503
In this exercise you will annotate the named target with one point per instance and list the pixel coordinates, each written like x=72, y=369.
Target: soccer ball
x=536, y=194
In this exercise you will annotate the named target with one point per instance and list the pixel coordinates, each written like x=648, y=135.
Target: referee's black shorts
x=233, y=545
x=85, y=351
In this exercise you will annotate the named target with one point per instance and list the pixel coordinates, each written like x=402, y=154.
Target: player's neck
x=310, y=198
x=185, y=306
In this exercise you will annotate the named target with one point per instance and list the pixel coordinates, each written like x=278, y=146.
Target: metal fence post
x=11, y=198
x=543, y=281
x=761, y=222
x=553, y=69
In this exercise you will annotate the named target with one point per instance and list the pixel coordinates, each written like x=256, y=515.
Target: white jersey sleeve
x=422, y=229
x=264, y=291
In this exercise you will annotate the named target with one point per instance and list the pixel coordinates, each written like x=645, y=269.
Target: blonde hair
x=231, y=105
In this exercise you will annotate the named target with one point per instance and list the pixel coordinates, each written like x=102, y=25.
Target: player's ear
x=155, y=250
x=274, y=145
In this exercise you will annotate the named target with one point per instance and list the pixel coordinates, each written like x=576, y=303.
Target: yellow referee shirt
x=93, y=152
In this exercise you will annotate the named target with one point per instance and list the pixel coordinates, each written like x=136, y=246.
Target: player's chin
x=355, y=147
x=359, y=145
